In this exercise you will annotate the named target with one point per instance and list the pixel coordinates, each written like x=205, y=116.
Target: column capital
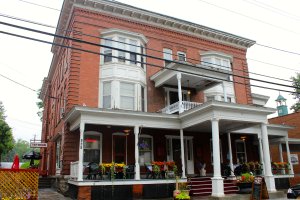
x=179, y=75
x=214, y=119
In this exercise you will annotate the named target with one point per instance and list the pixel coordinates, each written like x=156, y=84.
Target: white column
x=182, y=154
x=80, y=157
x=270, y=181
x=137, y=164
x=224, y=91
x=180, y=106
x=280, y=156
x=291, y=171
x=217, y=180
x=230, y=154
x=261, y=156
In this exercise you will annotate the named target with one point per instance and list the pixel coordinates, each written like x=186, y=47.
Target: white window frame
x=167, y=55
x=94, y=133
x=134, y=97
x=152, y=154
x=236, y=152
x=179, y=54
x=103, y=95
x=168, y=90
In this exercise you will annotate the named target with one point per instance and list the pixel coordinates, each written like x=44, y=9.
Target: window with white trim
x=216, y=62
x=91, y=148
x=145, y=149
x=167, y=56
x=127, y=96
x=106, y=95
x=181, y=56
x=121, y=45
x=240, y=147
x=107, y=51
x=58, y=154
x=133, y=51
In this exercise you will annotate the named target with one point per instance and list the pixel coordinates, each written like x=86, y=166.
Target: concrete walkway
x=51, y=194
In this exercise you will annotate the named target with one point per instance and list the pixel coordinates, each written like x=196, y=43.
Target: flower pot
x=244, y=188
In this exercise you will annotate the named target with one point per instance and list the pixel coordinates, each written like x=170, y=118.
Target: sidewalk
x=49, y=193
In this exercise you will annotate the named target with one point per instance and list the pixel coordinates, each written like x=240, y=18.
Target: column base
x=270, y=182
x=217, y=187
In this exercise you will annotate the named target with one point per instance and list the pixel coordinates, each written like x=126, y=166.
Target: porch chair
x=130, y=172
x=93, y=171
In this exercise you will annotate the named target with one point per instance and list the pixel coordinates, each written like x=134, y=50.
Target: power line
x=154, y=65
x=39, y=5
x=273, y=64
x=18, y=83
x=98, y=37
x=252, y=18
x=154, y=57
x=277, y=49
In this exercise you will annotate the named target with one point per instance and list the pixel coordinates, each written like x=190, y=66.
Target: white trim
x=245, y=150
x=183, y=53
x=101, y=142
x=151, y=137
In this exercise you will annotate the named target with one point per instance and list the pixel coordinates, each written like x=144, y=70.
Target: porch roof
x=199, y=76
x=231, y=117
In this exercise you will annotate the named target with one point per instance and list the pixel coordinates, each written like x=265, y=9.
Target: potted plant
x=244, y=183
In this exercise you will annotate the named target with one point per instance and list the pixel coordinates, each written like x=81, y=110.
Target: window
x=216, y=61
x=127, y=96
x=228, y=99
x=181, y=56
x=142, y=57
x=91, y=148
x=145, y=149
x=106, y=94
x=142, y=98
x=240, y=151
x=108, y=51
x=133, y=51
x=121, y=45
x=167, y=56
x=58, y=154
x=210, y=98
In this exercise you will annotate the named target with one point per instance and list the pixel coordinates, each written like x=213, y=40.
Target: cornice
x=159, y=20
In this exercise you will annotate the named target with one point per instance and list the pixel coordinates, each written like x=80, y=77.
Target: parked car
x=293, y=192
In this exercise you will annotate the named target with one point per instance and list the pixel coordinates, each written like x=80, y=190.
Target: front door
x=119, y=149
x=174, y=153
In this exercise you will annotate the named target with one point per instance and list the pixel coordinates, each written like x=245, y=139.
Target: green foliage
x=26, y=165
x=20, y=148
x=183, y=195
x=6, y=137
x=40, y=105
x=296, y=94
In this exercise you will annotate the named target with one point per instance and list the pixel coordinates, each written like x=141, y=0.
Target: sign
x=294, y=159
x=259, y=189
x=38, y=145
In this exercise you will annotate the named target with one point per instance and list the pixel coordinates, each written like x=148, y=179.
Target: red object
x=90, y=140
x=16, y=162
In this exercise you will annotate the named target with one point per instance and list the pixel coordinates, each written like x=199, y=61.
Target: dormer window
x=216, y=60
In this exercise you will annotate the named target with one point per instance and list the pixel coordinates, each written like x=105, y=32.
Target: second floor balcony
x=174, y=108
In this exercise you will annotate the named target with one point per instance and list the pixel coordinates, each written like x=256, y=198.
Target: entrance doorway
x=120, y=149
x=174, y=152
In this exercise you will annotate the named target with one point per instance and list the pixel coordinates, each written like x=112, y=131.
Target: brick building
x=136, y=86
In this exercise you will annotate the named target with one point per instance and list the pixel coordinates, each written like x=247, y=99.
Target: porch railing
x=74, y=170
x=173, y=108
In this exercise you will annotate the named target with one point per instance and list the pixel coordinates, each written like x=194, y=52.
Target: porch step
x=202, y=186
x=45, y=182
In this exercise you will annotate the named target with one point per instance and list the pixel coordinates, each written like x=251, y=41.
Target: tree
x=296, y=84
x=40, y=105
x=6, y=137
x=20, y=148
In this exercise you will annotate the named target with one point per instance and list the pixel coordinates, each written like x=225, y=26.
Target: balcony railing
x=74, y=170
x=173, y=108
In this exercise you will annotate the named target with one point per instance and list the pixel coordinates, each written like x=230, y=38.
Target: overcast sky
x=273, y=23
